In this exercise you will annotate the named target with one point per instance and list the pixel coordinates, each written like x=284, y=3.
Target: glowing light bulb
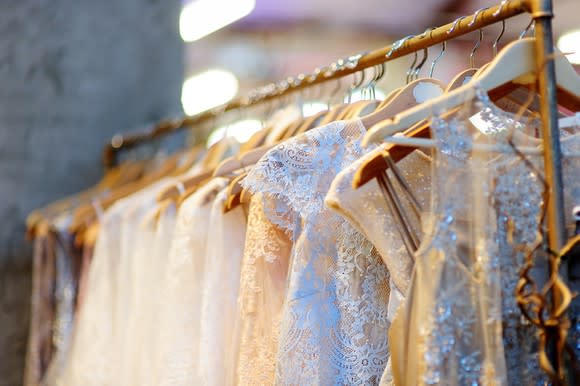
x=207, y=90
x=203, y=17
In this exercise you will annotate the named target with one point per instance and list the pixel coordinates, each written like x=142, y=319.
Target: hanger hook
x=434, y=62
x=476, y=15
x=412, y=67
x=383, y=71
x=369, y=88
x=456, y=23
x=355, y=84
x=495, y=43
x=420, y=65
x=501, y=7
x=474, y=50
x=525, y=31
x=425, y=55
x=398, y=44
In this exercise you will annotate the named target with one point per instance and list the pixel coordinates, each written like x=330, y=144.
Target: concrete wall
x=72, y=73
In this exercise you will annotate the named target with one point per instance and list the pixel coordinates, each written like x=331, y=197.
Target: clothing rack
x=541, y=13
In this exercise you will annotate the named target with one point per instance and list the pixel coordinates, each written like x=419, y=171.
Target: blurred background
x=73, y=74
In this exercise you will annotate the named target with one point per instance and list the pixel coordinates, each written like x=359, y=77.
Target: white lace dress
x=262, y=289
x=366, y=209
x=334, y=322
x=223, y=260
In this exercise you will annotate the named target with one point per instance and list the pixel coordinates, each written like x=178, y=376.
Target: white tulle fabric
x=223, y=260
x=100, y=336
x=178, y=345
x=334, y=323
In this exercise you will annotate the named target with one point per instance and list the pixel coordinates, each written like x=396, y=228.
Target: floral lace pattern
x=518, y=202
x=454, y=314
x=334, y=324
x=570, y=168
x=366, y=210
x=262, y=289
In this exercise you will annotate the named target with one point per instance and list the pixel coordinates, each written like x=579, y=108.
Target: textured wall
x=71, y=74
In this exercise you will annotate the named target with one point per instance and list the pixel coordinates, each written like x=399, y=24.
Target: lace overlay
x=571, y=174
x=367, y=210
x=518, y=202
x=334, y=324
x=453, y=311
x=262, y=289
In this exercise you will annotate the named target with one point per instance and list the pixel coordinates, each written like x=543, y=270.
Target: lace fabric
x=367, y=211
x=334, y=323
x=453, y=311
x=223, y=259
x=518, y=201
x=261, y=295
x=570, y=171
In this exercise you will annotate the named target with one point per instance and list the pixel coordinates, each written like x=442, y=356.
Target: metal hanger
x=414, y=93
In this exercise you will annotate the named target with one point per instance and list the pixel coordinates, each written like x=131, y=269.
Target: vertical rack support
x=542, y=15
x=541, y=12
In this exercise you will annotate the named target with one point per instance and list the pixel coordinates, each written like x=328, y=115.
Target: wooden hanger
x=115, y=177
x=234, y=193
x=86, y=214
x=361, y=109
x=413, y=94
x=188, y=159
x=309, y=123
x=186, y=186
x=462, y=78
x=250, y=157
x=257, y=139
x=378, y=164
x=514, y=65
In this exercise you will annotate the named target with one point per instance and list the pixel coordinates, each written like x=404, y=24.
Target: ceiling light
x=208, y=90
x=569, y=42
x=200, y=18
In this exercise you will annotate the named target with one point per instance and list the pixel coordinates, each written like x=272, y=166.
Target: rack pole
x=542, y=14
x=549, y=112
x=337, y=70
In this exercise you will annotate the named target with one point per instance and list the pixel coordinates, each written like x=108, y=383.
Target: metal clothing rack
x=541, y=13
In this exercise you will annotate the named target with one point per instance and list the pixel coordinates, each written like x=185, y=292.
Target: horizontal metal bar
x=336, y=70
